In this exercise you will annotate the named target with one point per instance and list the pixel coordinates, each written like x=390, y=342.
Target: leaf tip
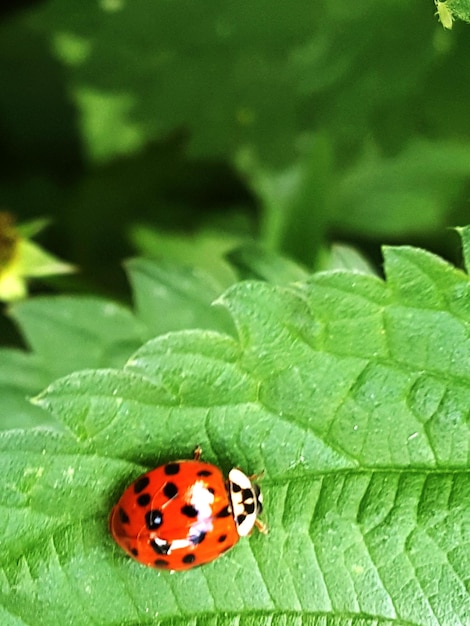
x=464, y=233
x=39, y=400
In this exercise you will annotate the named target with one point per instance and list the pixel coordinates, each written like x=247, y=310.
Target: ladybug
x=185, y=513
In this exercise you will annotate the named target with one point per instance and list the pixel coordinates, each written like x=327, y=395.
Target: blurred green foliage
x=292, y=125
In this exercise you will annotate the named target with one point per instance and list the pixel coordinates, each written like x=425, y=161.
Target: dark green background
x=297, y=124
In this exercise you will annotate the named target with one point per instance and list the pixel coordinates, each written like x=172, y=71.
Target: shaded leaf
x=72, y=333
x=411, y=192
x=301, y=69
x=170, y=296
x=296, y=200
x=21, y=376
x=205, y=249
x=255, y=262
x=344, y=257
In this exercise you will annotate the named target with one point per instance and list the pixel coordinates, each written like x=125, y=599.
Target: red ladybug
x=185, y=513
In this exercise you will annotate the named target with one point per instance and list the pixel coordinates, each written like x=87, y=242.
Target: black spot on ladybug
x=170, y=490
x=123, y=517
x=210, y=490
x=236, y=488
x=153, y=519
x=141, y=483
x=250, y=508
x=222, y=538
x=144, y=499
x=204, y=473
x=241, y=518
x=225, y=512
x=172, y=468
x=161, y=563
x=188, y=558
x=247, y=494
x=160, y=547
x=197, y=539
x=134, y=551
x=189, y=510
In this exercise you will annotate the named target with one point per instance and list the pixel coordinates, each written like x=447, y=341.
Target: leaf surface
x=21, y=375
x=351, y=394
x=72, y=333
x=172, y=296
x=410, y=192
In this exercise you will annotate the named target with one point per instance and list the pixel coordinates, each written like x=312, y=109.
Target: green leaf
x=254, y=261
x=30, y=229
x=170, y=296
x=235, y=52
x=344, y=257
x=67, y=334
x=73, y=333
x=204, y=249
x=350, y=392
x=410, y=192
x=35, y=262
x=252, y=83
x=464, y=233
x=26, y=369
x=21, y=376
x=296, y=200
x=458, y=8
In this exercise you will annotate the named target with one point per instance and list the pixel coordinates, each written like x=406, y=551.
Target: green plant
x=351, y=392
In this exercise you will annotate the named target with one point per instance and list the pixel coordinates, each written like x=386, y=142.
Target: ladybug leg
x=257, y=476
x=261, y=526
x=197, y=453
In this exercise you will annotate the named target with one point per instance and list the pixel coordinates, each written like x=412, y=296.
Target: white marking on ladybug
x=246, y=499
x=164, y=546
x=179, y=544
x=201, y=499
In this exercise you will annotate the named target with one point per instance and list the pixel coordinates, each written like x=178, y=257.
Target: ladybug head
x=246, y=499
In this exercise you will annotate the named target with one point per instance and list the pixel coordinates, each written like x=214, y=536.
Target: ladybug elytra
x=185, y=513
